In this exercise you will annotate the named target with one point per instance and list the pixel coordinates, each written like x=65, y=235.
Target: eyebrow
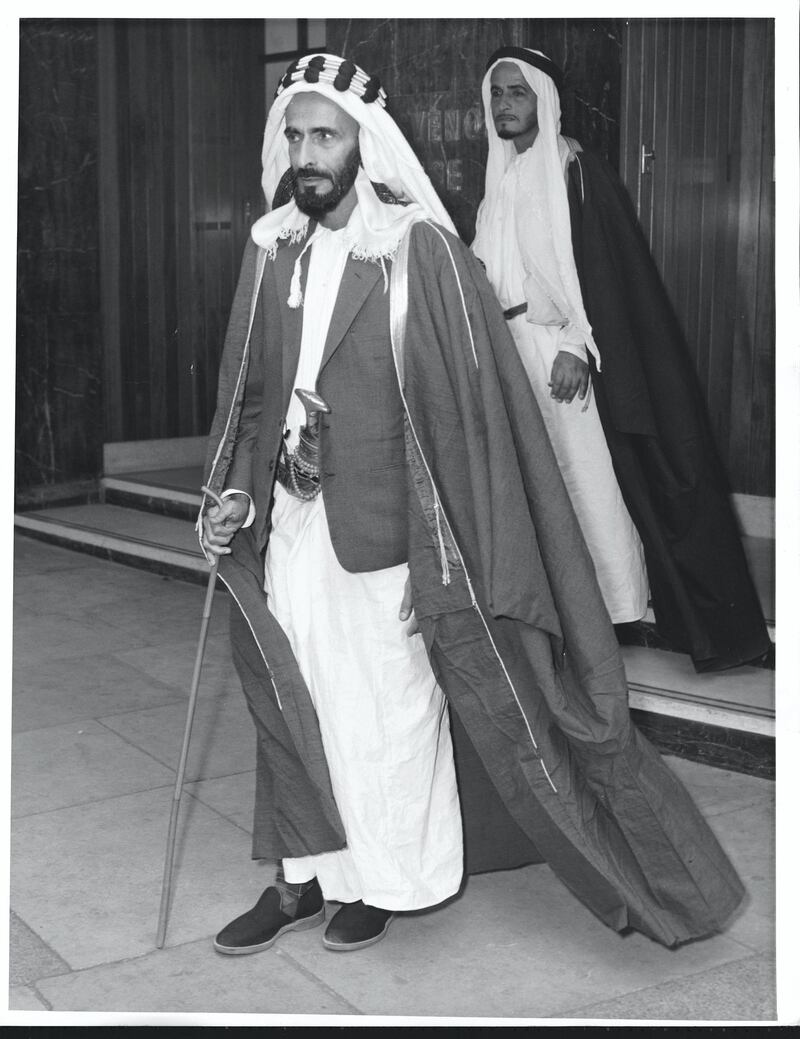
x=313, y=129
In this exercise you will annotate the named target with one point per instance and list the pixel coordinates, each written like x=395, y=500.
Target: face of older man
x=323, y=151
x=513, y=106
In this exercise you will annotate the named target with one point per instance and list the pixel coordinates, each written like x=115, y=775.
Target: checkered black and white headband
x=339, y=73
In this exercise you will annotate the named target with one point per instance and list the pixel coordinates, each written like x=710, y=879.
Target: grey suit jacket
x=362, y=452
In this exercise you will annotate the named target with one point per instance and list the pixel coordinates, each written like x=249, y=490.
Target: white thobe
x=383, y=719
x=576, y=434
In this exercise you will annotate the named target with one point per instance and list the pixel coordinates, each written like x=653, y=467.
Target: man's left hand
x=570, y=376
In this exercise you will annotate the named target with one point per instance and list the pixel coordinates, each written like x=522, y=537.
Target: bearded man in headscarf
x=611, y=373
x=434, y=680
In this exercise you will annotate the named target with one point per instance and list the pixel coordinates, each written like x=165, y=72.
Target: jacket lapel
x=358, y=280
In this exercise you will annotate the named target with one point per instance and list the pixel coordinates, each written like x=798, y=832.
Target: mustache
x=311, y=171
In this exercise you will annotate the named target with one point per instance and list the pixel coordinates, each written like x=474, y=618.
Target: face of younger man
x=323, y=151
x=514, y=108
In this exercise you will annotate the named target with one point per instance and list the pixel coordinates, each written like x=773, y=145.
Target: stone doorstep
x=153, y=541
x=141, y=487
x=652, y=699
x=183, y=505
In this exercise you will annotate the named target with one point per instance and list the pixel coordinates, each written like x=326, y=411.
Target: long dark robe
x=506, y=597
x=658, y=432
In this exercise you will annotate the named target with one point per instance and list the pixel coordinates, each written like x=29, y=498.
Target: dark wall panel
x=139, y=174
x=752, y=440
x=59, y=413
x=180, y=171
x=699, y=94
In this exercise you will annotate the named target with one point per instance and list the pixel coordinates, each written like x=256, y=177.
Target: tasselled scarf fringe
x=358, y=252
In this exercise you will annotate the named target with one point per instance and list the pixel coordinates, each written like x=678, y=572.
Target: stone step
x=138, y=538
x=740, y=698
x=169, y=492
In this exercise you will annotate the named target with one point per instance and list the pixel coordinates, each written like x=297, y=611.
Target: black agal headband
x=342, y=75
x=539, y=61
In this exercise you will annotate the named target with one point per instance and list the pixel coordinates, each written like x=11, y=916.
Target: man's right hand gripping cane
x=222, y=521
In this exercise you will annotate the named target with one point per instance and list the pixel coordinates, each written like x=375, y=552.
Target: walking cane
x=166, y=884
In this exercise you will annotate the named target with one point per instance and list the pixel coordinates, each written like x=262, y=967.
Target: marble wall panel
x=59, y=399
x=59, y=364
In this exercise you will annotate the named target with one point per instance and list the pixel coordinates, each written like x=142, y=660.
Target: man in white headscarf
x=523, y=238
x=411, y=466
x=611, y=374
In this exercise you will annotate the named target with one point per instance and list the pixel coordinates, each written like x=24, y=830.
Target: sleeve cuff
x=572, y=341
x=576, y=351
x=251, y=514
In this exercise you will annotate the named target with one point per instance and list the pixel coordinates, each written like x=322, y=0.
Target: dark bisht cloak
x=658, y=433
x=550, y=765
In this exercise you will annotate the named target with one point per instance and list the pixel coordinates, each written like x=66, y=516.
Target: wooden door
x=181, y=121
x=697, y=147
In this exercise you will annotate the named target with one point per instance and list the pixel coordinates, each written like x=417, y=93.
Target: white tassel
x=295, y=291
x=373, y=254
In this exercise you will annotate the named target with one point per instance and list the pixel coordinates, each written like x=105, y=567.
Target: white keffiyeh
x=387, y=158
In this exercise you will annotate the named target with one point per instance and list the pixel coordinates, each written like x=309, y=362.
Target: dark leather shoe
x=356, y=926
x=260, y=927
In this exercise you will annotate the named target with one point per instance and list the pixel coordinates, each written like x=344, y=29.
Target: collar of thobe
x=374, y=231
x=362, y=242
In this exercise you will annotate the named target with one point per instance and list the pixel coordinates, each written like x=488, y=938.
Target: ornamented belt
x=299, y=483
x=520, y=308
x=298, y=470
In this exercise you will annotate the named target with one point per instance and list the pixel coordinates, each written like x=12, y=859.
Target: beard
x=507, y=131
x=316, y=203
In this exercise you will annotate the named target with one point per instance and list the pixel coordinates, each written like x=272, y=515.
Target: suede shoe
x=260, y=927
x=356, y=926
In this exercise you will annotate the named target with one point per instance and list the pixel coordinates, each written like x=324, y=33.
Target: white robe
x=383, y=718
x=574, y=429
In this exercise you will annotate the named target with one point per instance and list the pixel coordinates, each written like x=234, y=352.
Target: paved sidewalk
x=103, y=658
